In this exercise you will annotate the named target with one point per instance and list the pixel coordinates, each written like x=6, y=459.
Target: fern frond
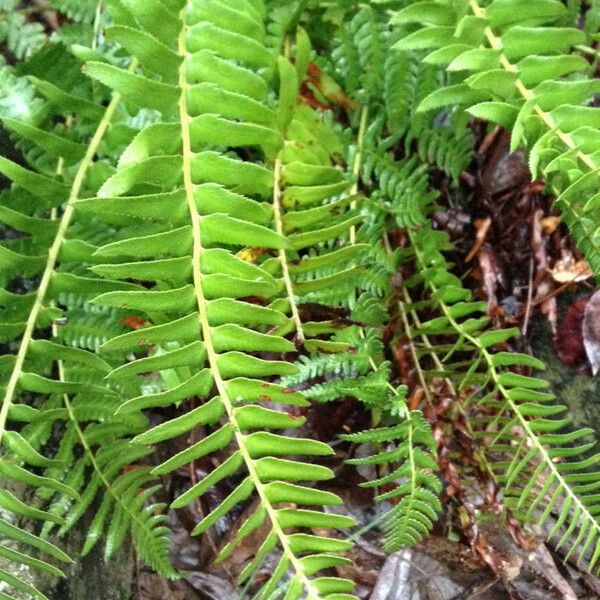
x=43, y=371
x=404, y=185
x=522, y=71
x=20, y=37
x=513, y=416
x=360, y=51
x=80, y=11
x=313, y=208
x=414, y=487
x=117, y=479
x=207, y=292
x=393, y=83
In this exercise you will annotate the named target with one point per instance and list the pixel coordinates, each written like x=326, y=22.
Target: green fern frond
x=213, y=166
x=80, y=11
x=403, y=185
x=533, y=465
x=116, y=477
x=409, y=453
x=360, y=51
x=394, y=83
x=43, y=371
x=522, y=70
x=314, y=210
x=21, y=37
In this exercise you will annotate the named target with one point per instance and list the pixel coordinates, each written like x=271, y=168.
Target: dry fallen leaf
x=550, y=224
x=567, y=269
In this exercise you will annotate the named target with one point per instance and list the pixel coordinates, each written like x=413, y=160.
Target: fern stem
x=357, y=163
x=141, y=524
x=294, y=561
x=283, y=258
x=588, y=50
x=53, y=254
x=356, y=168
x=482, y=461
x=578, y=507
x=278, y=216
x=96, y=26
x=407, y=328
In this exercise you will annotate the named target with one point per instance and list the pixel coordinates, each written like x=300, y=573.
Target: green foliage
x=415, y=488
x=213, y=205
x=21, y=38
x=518, y=67
x=23, y=35
x=532, y=466
x=51, y=388
x=183, y=224
x=17, y=96
x=80, y=11
x=393, y=84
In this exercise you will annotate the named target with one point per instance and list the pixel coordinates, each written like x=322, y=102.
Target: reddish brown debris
x=569, y=338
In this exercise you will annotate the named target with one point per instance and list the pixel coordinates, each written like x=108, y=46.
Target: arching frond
x=215, y=307
x=526, y=435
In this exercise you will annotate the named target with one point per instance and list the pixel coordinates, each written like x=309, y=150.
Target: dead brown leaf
x=568, y=269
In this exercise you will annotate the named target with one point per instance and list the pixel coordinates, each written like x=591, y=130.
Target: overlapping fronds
x=190, y=230
x=518, y=65
x=393, y=83
x=526, y=434
x=47, y=384
x=215, y=297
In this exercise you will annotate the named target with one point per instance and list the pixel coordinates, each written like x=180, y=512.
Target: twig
x=477, y=591
x=529, y=299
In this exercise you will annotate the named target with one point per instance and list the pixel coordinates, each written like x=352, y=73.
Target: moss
x=581, y=394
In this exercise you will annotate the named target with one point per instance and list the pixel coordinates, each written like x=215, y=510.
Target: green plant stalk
x=278, y=218
x=356, y=165
x=311, y=590
x=283, y=258
x=53, y=254
x=541, y=451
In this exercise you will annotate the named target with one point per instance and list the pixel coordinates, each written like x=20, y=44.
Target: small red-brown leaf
x=569, y=336
x=134, y=322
